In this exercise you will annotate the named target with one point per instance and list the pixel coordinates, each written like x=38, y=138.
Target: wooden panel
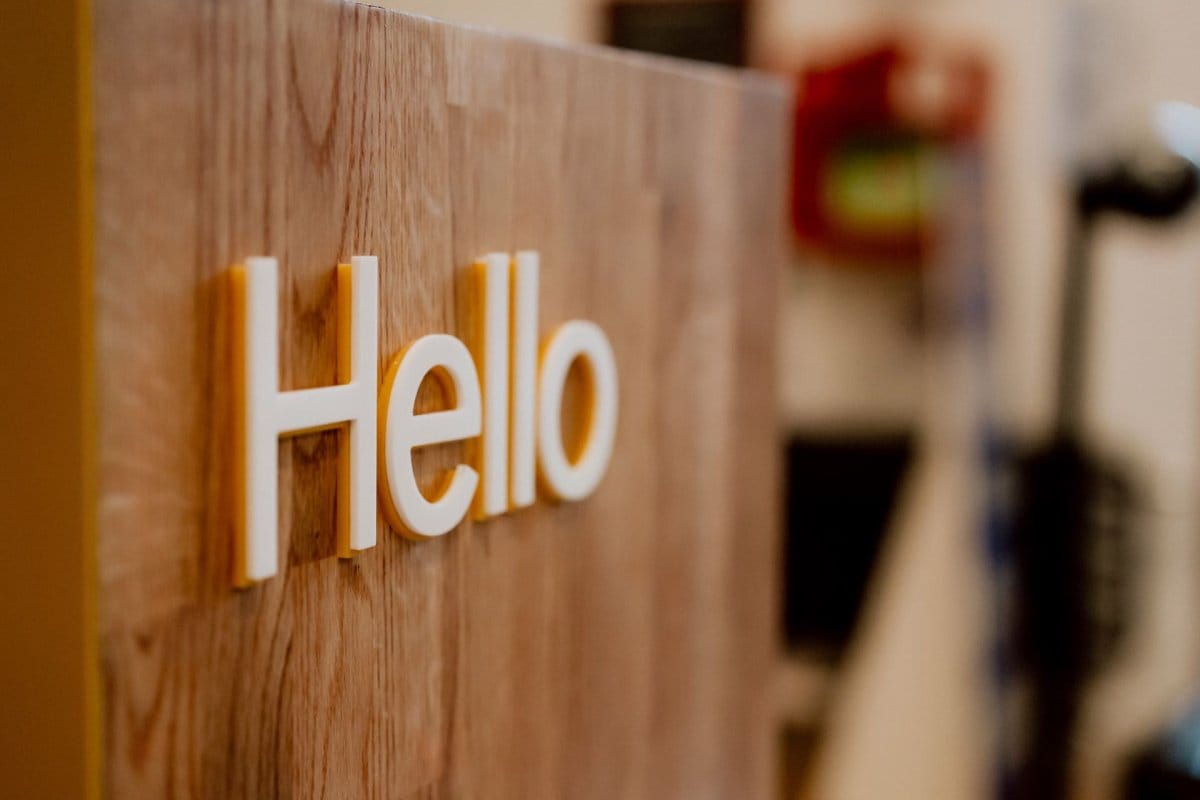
x=617, y=647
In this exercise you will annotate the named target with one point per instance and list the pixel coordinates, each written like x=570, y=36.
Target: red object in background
x=868, y=130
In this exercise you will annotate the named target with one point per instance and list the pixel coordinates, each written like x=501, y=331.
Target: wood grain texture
x=620, y=647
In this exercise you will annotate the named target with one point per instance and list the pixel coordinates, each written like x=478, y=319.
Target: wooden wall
x=619, y=647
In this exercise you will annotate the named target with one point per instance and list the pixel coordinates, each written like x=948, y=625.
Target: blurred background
x=990, y=383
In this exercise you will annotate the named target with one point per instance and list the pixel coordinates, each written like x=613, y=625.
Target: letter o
x=585, y=341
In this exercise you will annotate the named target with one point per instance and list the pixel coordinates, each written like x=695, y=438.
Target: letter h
x=266, y=413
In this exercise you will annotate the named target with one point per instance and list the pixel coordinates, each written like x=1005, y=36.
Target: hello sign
x=515, y=410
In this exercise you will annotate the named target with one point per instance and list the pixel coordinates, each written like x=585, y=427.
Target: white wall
x=1144, y=382
x=572, y=20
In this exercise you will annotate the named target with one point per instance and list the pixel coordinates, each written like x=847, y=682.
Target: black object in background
x=707, y=30
x=1073, y=547
x=1154, y=777
x=1169, y=769
x=840, y=495
x=1073, y=531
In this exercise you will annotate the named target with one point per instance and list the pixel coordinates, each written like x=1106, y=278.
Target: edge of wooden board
x=50, y=741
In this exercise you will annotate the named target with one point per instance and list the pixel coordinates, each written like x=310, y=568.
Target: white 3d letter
x=270, y=413
x=405, y=507
x=524, y=378
x=493, y=275
x=585, y=341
